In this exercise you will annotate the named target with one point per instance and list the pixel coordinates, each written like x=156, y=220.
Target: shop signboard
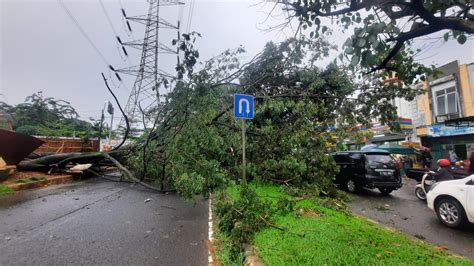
x=444, y=131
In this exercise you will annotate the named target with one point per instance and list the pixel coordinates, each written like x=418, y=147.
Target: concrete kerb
x=49, y=181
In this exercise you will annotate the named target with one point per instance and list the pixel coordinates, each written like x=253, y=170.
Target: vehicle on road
x=453, y=201
x=418, y=173
x=424, y=186
x=430, y=178
x=367, y=169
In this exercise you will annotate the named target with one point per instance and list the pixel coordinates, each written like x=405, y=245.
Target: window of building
x=446, y=100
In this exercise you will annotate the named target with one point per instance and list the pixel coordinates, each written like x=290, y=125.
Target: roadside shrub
x=241, y=218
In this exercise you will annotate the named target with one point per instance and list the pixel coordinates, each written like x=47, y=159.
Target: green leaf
x=372, y=39
x=361, y=42
x=462, y=39
x=368, y=58
x=354, y=60
x=376, y=44
x=317, y=21
x=349, y=50
x=341, y=56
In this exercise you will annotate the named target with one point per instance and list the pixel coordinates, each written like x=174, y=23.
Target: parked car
x=369, y=169
x=453, y=201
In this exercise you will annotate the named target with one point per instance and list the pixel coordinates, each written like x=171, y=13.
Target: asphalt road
x=101, y=222
x=403, y=211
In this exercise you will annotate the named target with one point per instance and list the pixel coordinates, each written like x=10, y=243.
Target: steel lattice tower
x=145, y=93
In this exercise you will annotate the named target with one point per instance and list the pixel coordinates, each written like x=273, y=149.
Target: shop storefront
x=441, y=139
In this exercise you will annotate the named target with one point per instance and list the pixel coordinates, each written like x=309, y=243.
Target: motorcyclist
x=443, y=173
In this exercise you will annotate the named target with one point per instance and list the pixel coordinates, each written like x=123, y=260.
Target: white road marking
x=211, y=233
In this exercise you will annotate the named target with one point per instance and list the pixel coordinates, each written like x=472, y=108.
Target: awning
x=388, y=137
x=396, y=148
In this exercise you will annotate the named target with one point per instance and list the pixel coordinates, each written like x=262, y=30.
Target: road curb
x=49, y=181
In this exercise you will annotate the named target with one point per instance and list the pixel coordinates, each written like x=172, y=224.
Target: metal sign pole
x=244, y=179
x=243, y=109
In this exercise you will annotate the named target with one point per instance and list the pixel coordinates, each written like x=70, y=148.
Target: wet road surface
x=101, y=222
x=403, y=211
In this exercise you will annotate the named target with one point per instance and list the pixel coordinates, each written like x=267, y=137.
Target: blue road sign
x=243, y=106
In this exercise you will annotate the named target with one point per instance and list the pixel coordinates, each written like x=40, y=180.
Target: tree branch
x=451, y=23
x=355, y=5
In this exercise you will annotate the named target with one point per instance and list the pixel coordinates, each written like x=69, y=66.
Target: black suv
x=370, y=169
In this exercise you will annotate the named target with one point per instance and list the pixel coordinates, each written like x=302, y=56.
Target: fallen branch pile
x=63, y=162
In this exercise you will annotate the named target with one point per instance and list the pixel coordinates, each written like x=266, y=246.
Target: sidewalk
x=28, y=180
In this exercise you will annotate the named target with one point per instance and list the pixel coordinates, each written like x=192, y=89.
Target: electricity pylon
x=145, y=94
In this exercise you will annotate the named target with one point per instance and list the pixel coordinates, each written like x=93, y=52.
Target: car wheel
x=450, y=212
x=352, y=186
x=420, y=194
x=385, y=191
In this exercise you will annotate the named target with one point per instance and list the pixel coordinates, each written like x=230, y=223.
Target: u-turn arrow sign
x=243, y=106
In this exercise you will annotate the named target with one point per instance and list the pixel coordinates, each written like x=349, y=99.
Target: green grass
x=223, y=251
x=5, y=190
x=316, y=236
x=32, y=179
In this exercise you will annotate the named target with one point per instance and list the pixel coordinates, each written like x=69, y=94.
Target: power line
x=190, y=15
x=83, y=32
x=108, y=18
x=180, y=12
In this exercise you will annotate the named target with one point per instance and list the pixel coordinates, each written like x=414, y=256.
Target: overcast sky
x=42, y=49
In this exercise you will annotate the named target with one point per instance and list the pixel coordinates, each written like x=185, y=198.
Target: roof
x=388, y=137
x=373, y=151
x=396, y=148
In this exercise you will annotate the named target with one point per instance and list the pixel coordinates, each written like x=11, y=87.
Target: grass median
x=4, y=190
x=313, y=234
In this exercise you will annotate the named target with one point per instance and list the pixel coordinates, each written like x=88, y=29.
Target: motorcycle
x=424, y=186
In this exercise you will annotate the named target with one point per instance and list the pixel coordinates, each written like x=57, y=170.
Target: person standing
x=453, y=157
x=426, y=158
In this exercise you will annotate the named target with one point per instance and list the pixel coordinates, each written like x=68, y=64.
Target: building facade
x=448, y=97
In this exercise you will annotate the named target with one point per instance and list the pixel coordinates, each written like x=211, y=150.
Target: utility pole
x=102, y=118
x=110, y=111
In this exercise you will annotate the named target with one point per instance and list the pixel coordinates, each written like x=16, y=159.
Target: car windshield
x=378, y=158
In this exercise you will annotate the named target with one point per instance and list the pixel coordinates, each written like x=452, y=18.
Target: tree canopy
x=383, y=30
x=47, y=116
x=302, y=113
